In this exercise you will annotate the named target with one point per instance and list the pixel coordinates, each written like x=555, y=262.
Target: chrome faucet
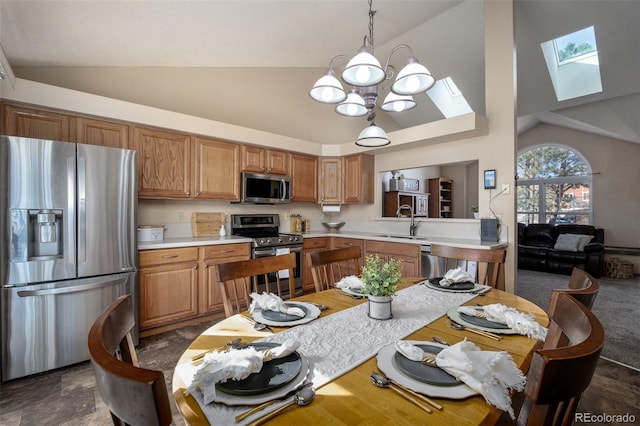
x=413, y=225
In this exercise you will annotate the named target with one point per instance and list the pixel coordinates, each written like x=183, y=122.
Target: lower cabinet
x=409, y=254
x=310, y=245
x=179, y=286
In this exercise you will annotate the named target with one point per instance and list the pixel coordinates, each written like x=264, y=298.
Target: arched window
x=554, y=186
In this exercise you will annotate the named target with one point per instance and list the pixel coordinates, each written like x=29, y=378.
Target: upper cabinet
x=34, y=123
x=263, y=160
x=164, y=163
x=358, y=179
x=304, y=178
x=217, y=169
x=331, y=188
x=101, y=132
x=347, y=180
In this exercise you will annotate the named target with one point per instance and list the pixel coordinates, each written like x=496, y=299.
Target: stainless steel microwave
x=262, y=188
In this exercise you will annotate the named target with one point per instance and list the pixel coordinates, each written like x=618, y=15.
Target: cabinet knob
x=198, y=194
x=187, y=193
x=195, y=267
x=169, y=256
x=205, y=266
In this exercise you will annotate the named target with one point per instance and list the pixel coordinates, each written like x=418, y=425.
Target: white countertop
x=420, y=240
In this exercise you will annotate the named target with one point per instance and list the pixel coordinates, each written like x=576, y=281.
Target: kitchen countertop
x=379, y=236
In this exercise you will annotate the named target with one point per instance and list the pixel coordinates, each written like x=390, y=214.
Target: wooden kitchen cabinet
x=217, y=169
x=210, y=287
x=264, y=160
x=359, y=179
x=409, y=254
x=441, y=201
x=331, y=187
x=304, y=178
x=419, y=201
x=18, y=120
x=310, y=245
x=168, y=280
x=340, y=242
x=164, y=163
x=100, y=132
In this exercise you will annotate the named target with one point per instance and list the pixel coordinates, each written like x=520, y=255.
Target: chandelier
x=365, y=74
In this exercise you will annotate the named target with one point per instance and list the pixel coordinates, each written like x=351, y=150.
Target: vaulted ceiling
x=252, y=63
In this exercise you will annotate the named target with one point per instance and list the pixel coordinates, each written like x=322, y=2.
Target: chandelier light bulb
x=413, y=83
x=326, y=94
x=363, y=74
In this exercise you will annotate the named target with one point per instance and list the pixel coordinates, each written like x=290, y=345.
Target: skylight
x=572, y=61
x=448, y=98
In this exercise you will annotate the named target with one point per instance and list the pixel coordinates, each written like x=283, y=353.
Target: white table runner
x=337, y=343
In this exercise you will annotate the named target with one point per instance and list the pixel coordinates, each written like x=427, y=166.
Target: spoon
x=384, y=382
x=301, y=398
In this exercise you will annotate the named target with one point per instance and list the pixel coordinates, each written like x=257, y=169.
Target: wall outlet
x=505, y=189
x=180, y=216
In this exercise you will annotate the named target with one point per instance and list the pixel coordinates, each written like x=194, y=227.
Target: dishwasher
x=428, y=264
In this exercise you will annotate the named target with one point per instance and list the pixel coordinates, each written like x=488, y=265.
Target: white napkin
x=524, y=324
x=492, y=374
x=236, y=364
x=271, y=302
x=454, y=276
x=351, y=282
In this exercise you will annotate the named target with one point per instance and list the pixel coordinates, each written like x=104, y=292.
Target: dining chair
x=582, y=286
x=238, y=279
x=134, y=395
x=489, y=262
x=560, y=372
x=329, y=267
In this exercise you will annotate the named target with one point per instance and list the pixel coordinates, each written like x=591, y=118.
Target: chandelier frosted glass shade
x=353, y=106
x=398, y=103
x=372, y=136
x=413, y=79
x=328, y=89
x=363, y=70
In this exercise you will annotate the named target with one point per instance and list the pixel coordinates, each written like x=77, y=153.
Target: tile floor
x=68, y=396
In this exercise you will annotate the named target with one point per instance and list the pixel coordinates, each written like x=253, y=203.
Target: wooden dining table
x=351, y=399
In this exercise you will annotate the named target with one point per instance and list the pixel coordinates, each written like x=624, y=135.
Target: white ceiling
x=252, y=63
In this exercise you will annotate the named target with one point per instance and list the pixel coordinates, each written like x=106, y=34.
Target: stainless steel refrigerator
x=67, y=247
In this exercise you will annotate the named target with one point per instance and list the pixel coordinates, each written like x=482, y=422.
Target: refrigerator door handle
x=69, y=220
x=82, y=210
x=71, y=289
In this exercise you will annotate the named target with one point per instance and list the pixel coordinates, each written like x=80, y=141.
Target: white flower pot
x=380, y=307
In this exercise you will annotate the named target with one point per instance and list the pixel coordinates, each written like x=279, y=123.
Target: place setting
x=271, y=310
x=456, y=281
x=495, y=319
x=351, y=286
x=421, y=370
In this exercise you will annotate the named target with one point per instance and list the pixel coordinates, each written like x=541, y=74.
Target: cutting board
x=206, y=224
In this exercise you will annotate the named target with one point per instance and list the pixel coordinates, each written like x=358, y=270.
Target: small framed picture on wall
x=489, y=179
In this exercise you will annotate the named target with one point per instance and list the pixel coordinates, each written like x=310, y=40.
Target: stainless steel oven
x=268, y=241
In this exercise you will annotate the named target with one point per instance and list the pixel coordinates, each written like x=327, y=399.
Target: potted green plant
x=474, y=210
x=380, y=281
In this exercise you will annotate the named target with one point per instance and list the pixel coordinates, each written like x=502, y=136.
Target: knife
x=264, y=405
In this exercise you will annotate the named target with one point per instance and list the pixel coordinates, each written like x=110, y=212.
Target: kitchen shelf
x=441, y=203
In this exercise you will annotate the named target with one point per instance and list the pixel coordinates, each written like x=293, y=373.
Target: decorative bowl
x=333, y=226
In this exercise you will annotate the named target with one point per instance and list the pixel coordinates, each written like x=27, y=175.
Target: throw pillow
x=584, y=240
x=567, y=242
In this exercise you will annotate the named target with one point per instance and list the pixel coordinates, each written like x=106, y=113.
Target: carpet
x=617, y=306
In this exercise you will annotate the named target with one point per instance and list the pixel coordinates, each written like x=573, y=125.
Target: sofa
x=559, y=248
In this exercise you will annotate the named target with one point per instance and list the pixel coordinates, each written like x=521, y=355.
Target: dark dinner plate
x=424, y=373
x=467, y=285
x=483, y=322
x=281, y=316
x=274, y=374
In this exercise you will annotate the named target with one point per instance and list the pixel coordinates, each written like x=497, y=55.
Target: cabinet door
x=164, y=163
x=34, y=123
x=331, y=180
x=101, y=132
x=168, y=293
x=358, y=179
x=277, y=162
x=409, y=254
x=304, y=178
x=212, y=255
x=253, y=159
x=421, y=204
x=217, y=170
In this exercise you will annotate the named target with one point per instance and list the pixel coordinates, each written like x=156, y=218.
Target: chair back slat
x=329, y=267
x=239, y=279
x=582, y=286
x=134, y=395
x=559, y=375
x=489, y=262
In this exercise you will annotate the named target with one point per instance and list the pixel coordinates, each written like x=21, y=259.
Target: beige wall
x=616, y=168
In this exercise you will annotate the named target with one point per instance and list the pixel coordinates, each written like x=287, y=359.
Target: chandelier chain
x=371, y=14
